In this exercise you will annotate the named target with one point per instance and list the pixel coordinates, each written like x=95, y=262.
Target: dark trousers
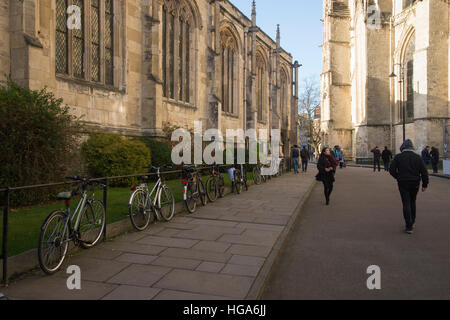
x=375, y=163
x=304, y=165
x=386, y=165
x=435, y=166
x=327, y=189
x=408, y=192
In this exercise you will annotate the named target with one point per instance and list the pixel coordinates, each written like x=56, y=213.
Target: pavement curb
x=259, y=284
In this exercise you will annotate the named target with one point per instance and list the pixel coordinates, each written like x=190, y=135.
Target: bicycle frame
x=157, y=188
x=69, y=226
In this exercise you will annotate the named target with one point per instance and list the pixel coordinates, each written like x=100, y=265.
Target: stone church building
x=132, y=66
x=385, y=64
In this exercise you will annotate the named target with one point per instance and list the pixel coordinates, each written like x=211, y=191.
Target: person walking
x=408, y=169
x=387, y=157
x=426, y=155
x=326, y=166
x=304, y=154
x=341, y=159
x=376, y=158
x=434, y=155
x=295, y=155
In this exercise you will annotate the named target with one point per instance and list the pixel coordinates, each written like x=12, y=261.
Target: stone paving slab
x=223, y=251
x=132, y=293
x=206, y=283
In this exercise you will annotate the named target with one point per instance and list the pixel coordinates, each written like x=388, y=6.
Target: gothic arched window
x=409, y=78
x=177, y=22
x=78, y=48
x=284, y=96
x=260, y=86
x=229, y=71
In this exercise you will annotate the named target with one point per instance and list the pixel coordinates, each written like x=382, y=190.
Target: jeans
x=295, y=165
x=304, y=165
x=435, y=167
x=375, y=163
x=408, y=192
x=386, y=165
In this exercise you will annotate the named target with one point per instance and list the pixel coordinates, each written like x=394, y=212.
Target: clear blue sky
x=301, y=28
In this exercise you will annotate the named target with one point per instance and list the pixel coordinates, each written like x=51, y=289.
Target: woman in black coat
x=326, y=166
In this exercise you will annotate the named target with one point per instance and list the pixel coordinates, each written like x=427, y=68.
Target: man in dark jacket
x=408, y=168
x=376, y=158
x=434, y=155
x=426, y=155
x=387, y=157
x=304, y=154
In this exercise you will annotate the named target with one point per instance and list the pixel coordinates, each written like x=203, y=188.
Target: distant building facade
x=366, y=41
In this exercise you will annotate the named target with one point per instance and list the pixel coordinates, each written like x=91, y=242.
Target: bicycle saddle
x=64, y=195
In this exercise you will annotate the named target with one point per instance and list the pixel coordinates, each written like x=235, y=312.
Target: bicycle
x=160, y=200
x=84, y=226
x=215, y=186
x=193, y=189
x=240, y=179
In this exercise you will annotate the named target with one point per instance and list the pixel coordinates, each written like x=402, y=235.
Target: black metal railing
x=105, y=181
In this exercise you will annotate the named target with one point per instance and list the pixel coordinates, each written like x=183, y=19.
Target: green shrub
x=110, y=155
x=160, y=151
x=39, y=141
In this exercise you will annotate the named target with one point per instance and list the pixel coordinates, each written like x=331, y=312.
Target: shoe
x=328, y=202
x=409, y=231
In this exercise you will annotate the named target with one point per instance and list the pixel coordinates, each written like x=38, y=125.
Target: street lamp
x=401, y=81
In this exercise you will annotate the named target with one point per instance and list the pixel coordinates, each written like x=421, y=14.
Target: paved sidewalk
x=224, y=251
x=330, y=248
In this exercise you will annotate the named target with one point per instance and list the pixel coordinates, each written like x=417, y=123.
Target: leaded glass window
x=95, y=40
x=80, y=52
x=109, y=41
x=78, y=44
x=61, y=54
x=229, y=65
x=176, y=46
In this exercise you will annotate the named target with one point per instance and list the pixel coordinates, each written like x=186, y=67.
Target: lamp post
x=401, y=81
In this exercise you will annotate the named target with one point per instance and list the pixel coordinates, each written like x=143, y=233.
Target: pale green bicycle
x=84, y=226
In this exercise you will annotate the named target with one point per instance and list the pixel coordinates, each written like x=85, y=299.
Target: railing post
x=105, y=199
x=5, y=237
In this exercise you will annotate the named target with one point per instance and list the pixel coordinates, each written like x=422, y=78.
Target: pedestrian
x=376, y=158
x=304, y=154
x=408, y=168
x=434, y=155
x=387, y=157
x=426, y=155
x=326, y=166
x=295, y=155
x=341, y=159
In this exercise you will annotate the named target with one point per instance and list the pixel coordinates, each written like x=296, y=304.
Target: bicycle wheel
x=138, y=209
x=190, y=201
x=212, y=189
x=202, y=191
x=221, y=186
x=53, y=242
x=92, y=223
x=257, y=179
x=166, y=203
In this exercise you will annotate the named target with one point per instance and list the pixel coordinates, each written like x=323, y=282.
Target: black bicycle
x=84, y=226
x=193, y=189
x=240, y=179
x=215, y=186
